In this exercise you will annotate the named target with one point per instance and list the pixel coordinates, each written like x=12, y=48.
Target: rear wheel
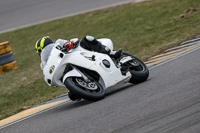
x=90, y=90
x=138, y=70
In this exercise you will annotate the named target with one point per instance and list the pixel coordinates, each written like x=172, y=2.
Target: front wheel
x=138, y=70
x=90, y=90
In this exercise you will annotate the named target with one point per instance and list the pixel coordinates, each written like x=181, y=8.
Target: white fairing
x=55, y=69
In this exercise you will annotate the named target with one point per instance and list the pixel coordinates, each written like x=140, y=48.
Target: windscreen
x=46, y=53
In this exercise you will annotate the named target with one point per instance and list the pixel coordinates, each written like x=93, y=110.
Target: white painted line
x=174, y=58
x=181, y=46
x=168, y=55
x=191, y=41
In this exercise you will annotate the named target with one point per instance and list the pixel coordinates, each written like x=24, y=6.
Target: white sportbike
x=87, y=74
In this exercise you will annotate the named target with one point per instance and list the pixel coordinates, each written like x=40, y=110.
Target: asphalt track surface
x=21, y=13
x=168, y=102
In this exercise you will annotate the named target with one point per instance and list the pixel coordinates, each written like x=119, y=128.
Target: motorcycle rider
x=89, y=42
x=45, y=44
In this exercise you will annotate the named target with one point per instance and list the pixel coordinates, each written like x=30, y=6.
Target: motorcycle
x=88, y=74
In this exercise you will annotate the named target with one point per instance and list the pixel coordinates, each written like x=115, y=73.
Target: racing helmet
x=41, y=43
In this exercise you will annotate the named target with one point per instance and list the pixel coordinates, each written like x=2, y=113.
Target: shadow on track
x=116, y=90
x=75, y=105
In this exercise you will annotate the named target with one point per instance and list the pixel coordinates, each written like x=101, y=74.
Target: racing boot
x=116, y=54
x=73, y=97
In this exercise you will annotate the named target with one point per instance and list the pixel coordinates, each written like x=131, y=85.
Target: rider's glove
x=75, y=43
x=69, y=45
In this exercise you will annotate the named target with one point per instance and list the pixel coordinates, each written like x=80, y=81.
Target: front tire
x=91, y=91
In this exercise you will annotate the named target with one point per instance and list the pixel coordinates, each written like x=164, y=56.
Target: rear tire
x=139, y=73
x=79, y=88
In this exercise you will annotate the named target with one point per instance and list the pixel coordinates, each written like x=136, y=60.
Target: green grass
x=142, y=29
